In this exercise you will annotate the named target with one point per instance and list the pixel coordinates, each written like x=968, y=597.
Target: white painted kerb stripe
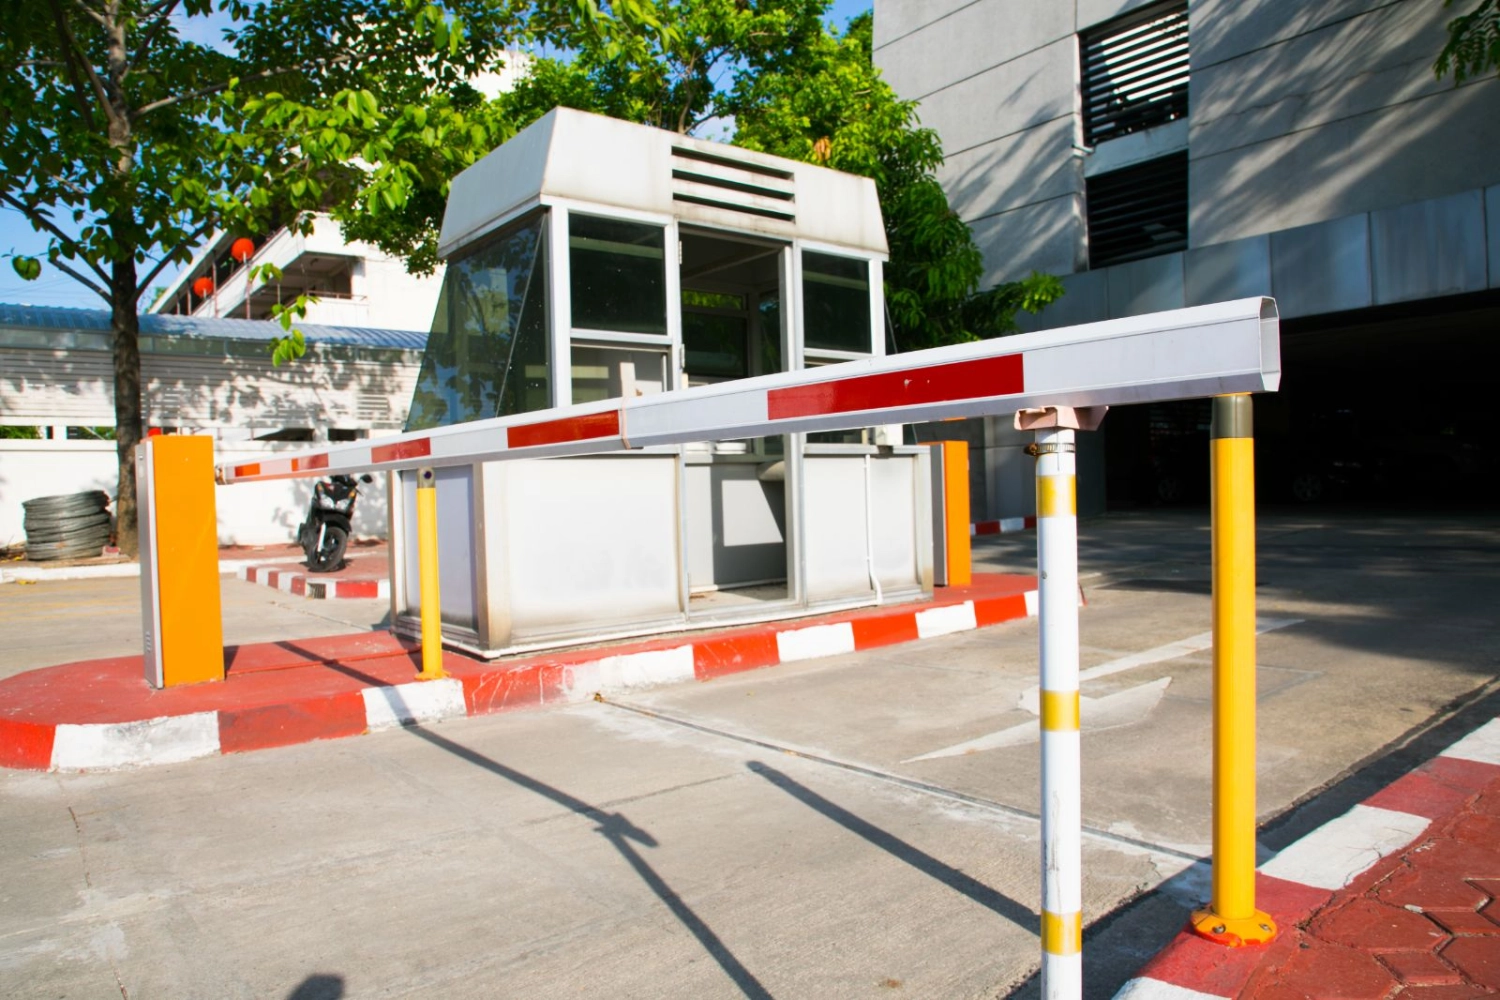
x=1155, y=989
x=1032, y=602
x=1482, y=745
x=166, y=740
x=419, y=701
x=942, y=621
x=632, y=670
x=819, y=640
x=1333, y=854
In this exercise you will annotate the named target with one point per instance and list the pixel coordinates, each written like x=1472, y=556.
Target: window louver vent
x=724, y=182
x=1135, y=73
x=1140, y=211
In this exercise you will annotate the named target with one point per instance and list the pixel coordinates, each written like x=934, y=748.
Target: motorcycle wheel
x=331, y=556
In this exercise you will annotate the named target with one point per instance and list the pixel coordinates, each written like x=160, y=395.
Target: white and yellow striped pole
x=427, y=576
x=1062, y=771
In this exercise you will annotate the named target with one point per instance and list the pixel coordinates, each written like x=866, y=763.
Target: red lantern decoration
x=203, y=287
x=242, y=249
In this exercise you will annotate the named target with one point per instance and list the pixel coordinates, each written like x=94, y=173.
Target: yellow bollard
x=1232, y=918
x=427, y=569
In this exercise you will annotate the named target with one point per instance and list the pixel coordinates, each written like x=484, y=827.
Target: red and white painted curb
x=1304, y=876
x=1004, y=526
x=478, y=688
x=302, y=585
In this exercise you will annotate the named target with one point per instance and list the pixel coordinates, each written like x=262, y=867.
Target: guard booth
x=592, y=259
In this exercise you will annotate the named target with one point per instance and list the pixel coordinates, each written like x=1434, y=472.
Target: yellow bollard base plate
x=435, y=675
x=1259, y=929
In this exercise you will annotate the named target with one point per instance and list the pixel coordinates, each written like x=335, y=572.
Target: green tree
x=770, y=70
x=1473, y=43
x=126, y=144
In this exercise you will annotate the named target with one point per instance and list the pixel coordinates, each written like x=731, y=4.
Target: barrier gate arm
x=1228, y=347
x=1221, y=350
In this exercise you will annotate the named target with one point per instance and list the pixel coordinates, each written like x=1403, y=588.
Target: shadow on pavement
x=318, y=986
x=900, y=849
x=620, y=833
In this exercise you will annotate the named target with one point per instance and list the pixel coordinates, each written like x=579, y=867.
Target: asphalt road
x=860, y=826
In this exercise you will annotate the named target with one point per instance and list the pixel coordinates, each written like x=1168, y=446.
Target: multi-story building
x=354, y=283
x=1158, y=155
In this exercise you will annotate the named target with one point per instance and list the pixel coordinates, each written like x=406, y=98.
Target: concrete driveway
x=860, y=826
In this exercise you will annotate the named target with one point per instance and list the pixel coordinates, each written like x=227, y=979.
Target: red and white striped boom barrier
x=1211, y=350
x=1215, y=350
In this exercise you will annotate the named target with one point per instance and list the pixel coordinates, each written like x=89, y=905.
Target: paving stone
x=1373, y=926
x=1444, y=993
x=1483, y=831
x=1420, y=968
x=1432, y=887
x=1476, y=957
x=1272, y=991
x=1331, y=972
x=1467, y=923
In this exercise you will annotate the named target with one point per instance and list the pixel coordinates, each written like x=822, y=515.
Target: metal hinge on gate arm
x=1075, y=418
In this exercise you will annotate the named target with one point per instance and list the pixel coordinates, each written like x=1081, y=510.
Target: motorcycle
x=325, y=533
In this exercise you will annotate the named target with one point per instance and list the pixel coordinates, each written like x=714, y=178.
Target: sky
x=54, y=288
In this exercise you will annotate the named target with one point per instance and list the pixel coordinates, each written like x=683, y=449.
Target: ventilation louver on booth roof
x=732, y=184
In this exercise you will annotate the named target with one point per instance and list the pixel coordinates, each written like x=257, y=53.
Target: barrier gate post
x=1232, y=918
x=1062, y=773
x=427, y=575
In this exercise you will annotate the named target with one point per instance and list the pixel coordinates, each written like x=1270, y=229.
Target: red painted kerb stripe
x=420, y=448
x=979, y=379
x=595, y=425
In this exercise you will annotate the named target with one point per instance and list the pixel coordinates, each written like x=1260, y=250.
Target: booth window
x=715, y=335
x=618, y=273
x=487, y=353
x=609, y=372
x=835, y=303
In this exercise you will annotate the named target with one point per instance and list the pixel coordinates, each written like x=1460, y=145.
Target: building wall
x=248, y=513
x=1300, y=113
x=329, y=387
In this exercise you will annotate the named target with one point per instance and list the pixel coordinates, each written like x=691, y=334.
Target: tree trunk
x=125, y=325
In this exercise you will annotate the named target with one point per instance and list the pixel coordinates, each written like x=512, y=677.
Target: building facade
x=1157, y=155
x=353, y=282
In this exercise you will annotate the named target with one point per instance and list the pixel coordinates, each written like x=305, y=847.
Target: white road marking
x=1333, y=854
x=1123, y=708
x=1155, y=989
x=1030, y=700
x=1482, y=745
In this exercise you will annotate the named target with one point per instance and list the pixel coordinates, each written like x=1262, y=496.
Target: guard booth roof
x=587, y=159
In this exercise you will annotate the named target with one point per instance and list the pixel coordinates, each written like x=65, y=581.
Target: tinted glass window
x=618, y=274
x=487, y=353
x=716, y=344
x=835, y=302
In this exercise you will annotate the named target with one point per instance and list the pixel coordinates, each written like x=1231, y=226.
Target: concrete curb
x=112, y=571
x=269, y=703
x=1304, y=877
x=1004, y=526
x=303, y=585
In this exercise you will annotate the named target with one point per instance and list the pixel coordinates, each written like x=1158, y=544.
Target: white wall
x=248, y=514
